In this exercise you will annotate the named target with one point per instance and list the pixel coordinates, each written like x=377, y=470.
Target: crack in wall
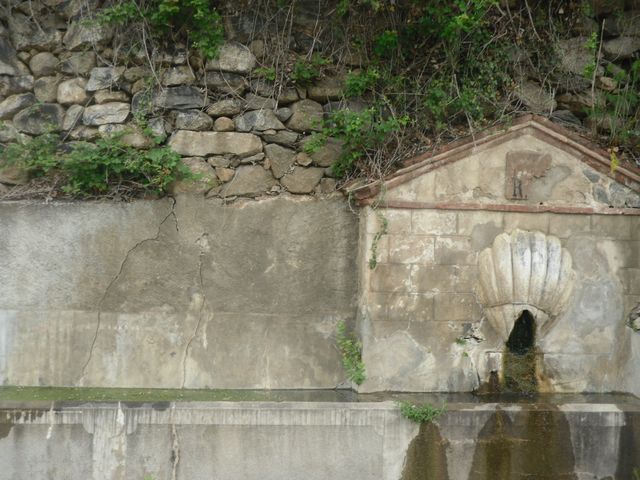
x=203, y=243
x=117, y=277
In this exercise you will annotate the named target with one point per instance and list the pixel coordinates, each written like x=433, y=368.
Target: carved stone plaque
x=522, y=167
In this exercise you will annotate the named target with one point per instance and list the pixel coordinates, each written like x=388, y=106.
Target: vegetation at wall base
x=422, y=413
x=351, y=350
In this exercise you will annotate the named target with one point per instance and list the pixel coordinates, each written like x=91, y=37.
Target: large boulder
x=104, y=77
x=327, y=154
x=306, y=116
x=193, y=120
x=46, y=89
x=40, y=118
x=82, y=34
x=258, y=120
x=8, y=58
x=621, y=47
x=77, y=63
x=115, y=112
x=200, y=144
x=249, y=181
x=226, y=82
x=72, y=91
x=535, y=97
x=302, y=180
x=574, y=55
x=181, y=75
x=229, y=107
x=175, y=98
x=326, y=89
x=281, y=159
x=233, y=57
x=13, y=104
x=26, y=33
x=43, y=64
x=10, y=85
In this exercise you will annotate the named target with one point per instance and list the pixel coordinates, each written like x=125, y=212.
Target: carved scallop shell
x=524, y=271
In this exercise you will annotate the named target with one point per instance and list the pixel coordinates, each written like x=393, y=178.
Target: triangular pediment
x=530, y=163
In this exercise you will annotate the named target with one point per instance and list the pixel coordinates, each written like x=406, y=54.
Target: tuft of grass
x=351, y=350
x=423, y=413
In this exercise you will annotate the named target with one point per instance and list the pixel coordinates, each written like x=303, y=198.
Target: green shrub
x=351, y=350
x=306, y=71
x=196, y=19
x=93, y=169
x=424, y=413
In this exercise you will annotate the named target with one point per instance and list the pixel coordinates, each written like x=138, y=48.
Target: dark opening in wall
x=519, y=359
x=523, y=335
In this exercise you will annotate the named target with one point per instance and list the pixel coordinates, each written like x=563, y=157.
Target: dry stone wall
x=240, y=134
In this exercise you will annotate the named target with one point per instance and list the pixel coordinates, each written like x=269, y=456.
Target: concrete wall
x=422, y=323
x=262, y=440
x=193, y=294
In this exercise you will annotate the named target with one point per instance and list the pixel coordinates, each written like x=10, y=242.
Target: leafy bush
x=94, y=169
x=424, y=413
x=351, y=350
x=306, y=71
x=362, y=133
x=196, y=19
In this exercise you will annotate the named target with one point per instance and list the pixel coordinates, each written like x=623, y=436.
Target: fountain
x=198, y=340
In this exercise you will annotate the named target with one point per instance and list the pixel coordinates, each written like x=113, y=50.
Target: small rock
x=43, y=64
x=104, y=77
x=303, y=159
x=81, y=34
x=233, y=57
x=8, y=58
x=249, y=181
x=352, y=105
x=327, y=154
x=225, y=108
x=225, y=174
x=282, y=159
x=181, y=75
x=621, y=47
x=188, y=143
x=13, y=104
x=284, y=114
x=302, y=180
x=226, y=82
x=535, y=97
x=282, y=137
x=326, y=89
x=115, y=112
x=217, y=161
x=40, y=118
x=46, y=89
x=72, y=117
x=258, y=157
x=566, y=117
x=78, y=63
x=193, y=120
x=180, y=98
x=224, y=124
x=205, y=181
x=157, y=127
x=256, y=102
x=307, y=116
x=106, y=96
x=328, y=185
x=134, y=74
x=13, y=85
x=607, y=84
x=579, y=102
x=258, y=120
x=72, y=91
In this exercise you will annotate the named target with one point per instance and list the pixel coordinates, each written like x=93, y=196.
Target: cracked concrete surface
x=186, y=293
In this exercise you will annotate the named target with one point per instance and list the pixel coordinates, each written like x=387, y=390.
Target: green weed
x=351, y=350
x=424, y=413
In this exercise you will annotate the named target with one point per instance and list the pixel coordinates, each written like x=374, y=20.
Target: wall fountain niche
x=526, y=280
